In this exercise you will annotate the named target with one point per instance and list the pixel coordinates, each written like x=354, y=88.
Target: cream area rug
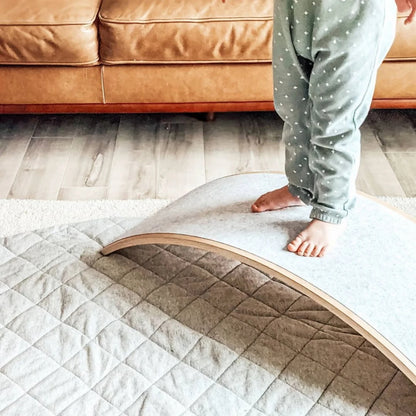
x=18, y=216
x=162, y=330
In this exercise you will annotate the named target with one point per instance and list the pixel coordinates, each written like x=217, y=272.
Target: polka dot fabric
x=325, y=59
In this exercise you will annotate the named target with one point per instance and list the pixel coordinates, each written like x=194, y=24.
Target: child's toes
x=323, y=251
x=259, y=205
x=317, y=249
x=302, y=248
x=294, y=245
x=308, y=251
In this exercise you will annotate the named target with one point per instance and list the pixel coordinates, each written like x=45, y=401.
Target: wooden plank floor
x=126, y=156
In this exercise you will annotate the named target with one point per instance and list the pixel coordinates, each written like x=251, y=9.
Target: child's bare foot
x=277, y=199
x=316, y=239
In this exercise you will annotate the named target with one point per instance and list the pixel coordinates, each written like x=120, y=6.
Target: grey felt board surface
x=372, y=271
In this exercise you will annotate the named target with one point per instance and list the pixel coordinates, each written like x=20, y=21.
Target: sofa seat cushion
x=404, y=46
x=188, y=31
x=58, y=32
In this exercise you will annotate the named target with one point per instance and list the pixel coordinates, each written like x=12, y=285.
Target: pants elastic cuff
x=300, y=193
x=321, y=215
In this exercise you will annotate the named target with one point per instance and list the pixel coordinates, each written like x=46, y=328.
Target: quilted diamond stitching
x=282, y=399
x=270, y=354
x=246, y=379
x=9, y=391
x=90, y=403
x=359, y=400
x=12, y=304
x=61, y=343
x=206, y=348
x=117, y=300
x=196, y=274
x=151, y=360
x=26, y=405
x=170, y=298
x=37, y=287
x=175, y=338
x=16, y=270
x=11, y=346
x=89, y=319
x=90, y=282
x=156, y=402
x=142, y=281
x=201, y=316
x=58, y=390
x=32, y=324
x=91, y=364
x=302, y=369
x=119, y=339
x=29, y=367
x=219, y=400
x=121, y=386
x=185, y=383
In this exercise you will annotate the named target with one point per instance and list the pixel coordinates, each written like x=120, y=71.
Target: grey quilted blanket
x=169, y=331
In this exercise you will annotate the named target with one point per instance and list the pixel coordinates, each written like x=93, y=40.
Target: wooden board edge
x=275, y=271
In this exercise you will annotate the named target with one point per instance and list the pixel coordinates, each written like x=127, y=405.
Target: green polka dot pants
x=325, y=59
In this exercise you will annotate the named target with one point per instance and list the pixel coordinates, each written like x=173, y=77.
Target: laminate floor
x=131, y=156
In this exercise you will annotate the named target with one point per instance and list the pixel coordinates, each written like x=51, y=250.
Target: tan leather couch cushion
x=396, y=80
x=198, y=31
x=39, y=32
x=168, y=83
x=50, y=85
x=404, y=46
x=178, y=31
x=200, y=83
x=187, y=83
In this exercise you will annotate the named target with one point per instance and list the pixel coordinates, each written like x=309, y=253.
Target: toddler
x=325, y=59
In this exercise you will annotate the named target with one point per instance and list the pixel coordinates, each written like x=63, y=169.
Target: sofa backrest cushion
x=188, y=31
x=56, y=32
x=202, y=31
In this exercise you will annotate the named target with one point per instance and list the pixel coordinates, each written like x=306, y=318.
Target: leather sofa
x=153, y=56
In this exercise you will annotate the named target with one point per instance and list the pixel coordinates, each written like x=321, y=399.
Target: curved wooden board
x=368, y=281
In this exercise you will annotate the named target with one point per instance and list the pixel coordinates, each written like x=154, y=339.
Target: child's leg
x=291, y=73
x=346, y=40
x=350, y=40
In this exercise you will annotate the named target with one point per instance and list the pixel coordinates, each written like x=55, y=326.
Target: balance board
x=368, y=280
